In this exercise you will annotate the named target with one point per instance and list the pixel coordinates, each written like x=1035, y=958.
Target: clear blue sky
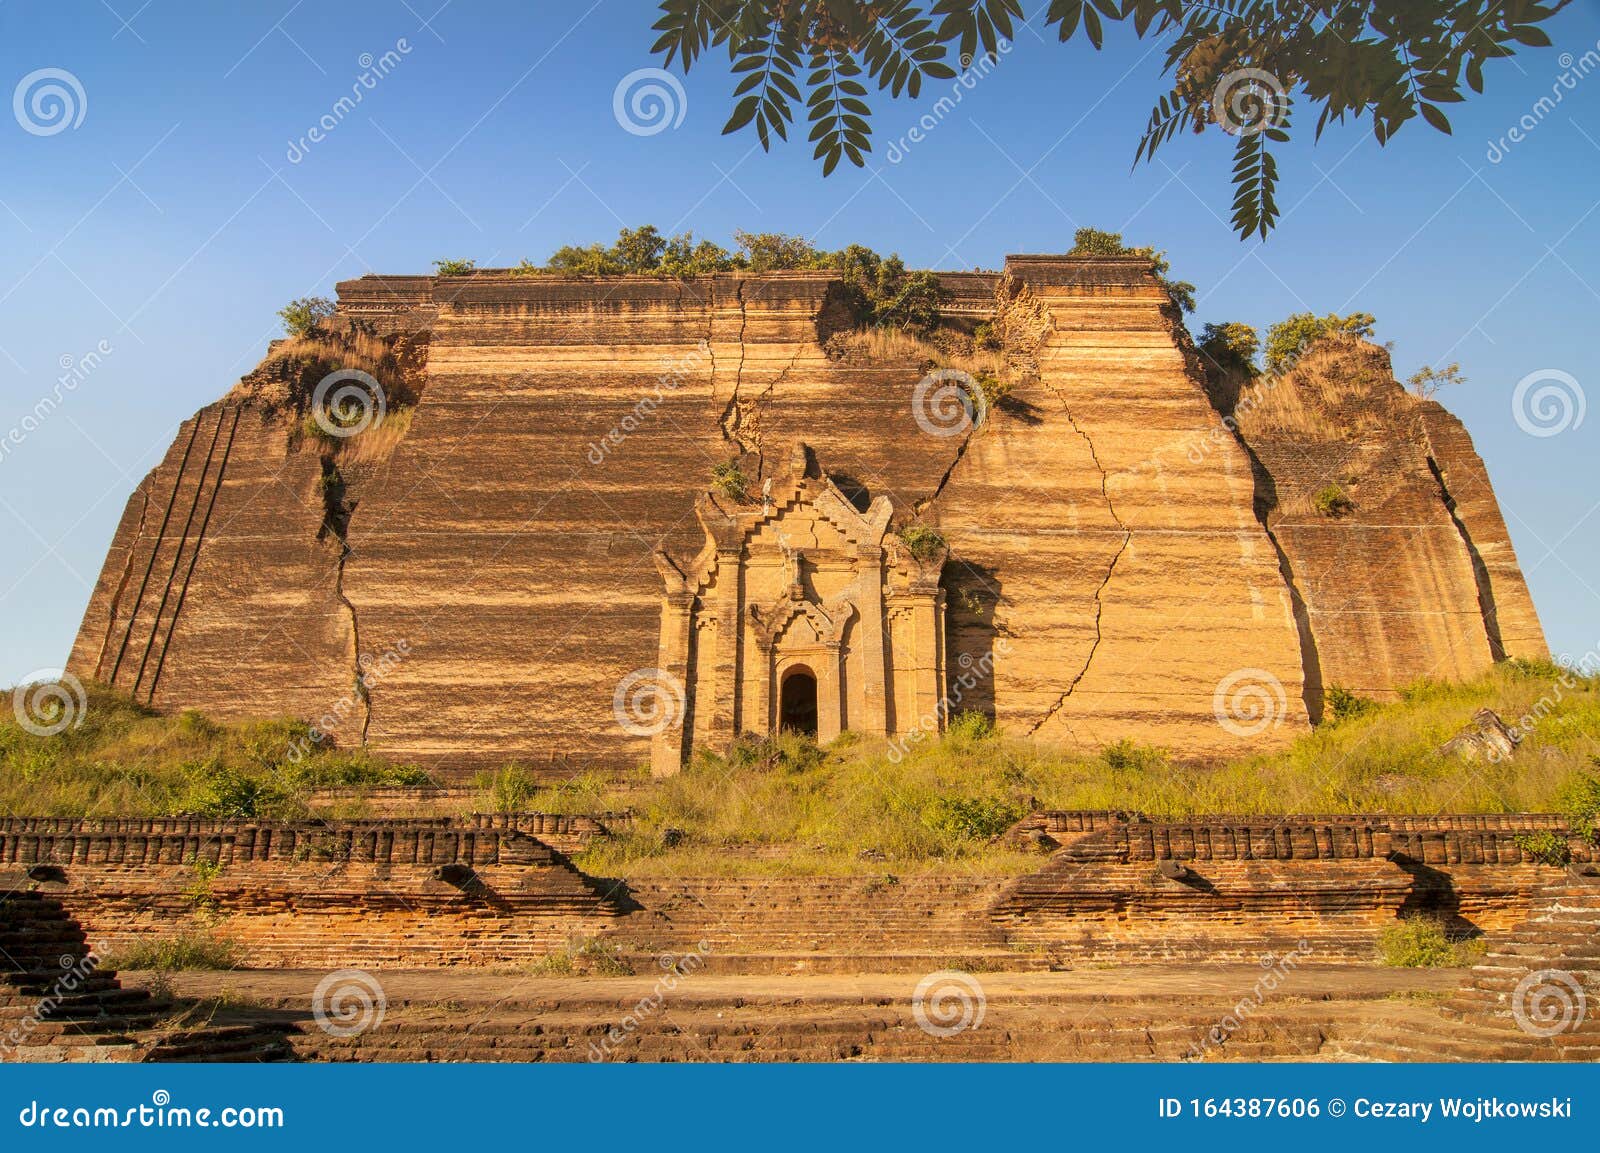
x=171, y=225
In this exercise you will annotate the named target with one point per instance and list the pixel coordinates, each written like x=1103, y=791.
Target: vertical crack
x=730, y=413
x=1099, y=592
x=336, y=512
x=1480, y=571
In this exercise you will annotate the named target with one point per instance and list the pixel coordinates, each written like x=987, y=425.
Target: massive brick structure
x=1112, y=558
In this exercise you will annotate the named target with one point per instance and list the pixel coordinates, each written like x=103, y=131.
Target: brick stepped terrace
x=1155, y=1013
x=1534, y=997
x=818, y=924
x=58, y=1005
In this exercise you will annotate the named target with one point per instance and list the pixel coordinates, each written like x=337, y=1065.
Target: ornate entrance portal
x=804, y=612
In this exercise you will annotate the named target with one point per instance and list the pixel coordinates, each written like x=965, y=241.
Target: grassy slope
x=848, y=806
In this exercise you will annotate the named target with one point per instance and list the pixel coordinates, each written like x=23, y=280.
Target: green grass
x=123, y=760
x=1425, y=943
x=197, y=948
x=785, y=805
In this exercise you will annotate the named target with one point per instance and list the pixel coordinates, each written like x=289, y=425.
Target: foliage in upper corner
x=1096, y=242
x=1297, y=332
x=301, y=316
x=1233, y=66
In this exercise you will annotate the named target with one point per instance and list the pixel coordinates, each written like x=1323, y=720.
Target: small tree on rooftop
x=301, y=316
x=1292, y=335
x=1427, y=380
x=1097, y=242
x=454, y=267
x=1231, y=346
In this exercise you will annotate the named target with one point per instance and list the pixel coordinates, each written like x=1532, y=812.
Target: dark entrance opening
x=797, y=703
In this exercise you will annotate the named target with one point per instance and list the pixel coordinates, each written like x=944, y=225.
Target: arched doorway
x=797, y=701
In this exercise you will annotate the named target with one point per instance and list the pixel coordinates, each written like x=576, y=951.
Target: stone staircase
x=1534, y=997
x=777, y=925
x=58, y=1005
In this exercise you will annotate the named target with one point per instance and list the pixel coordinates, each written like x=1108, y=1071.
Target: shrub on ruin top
x=1331, y=501
x=301, y=316
x=1297, y=332
x=922, y=542
x=454, y=267
x=729, y=479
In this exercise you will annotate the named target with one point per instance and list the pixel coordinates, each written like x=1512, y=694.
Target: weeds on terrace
x=583, y=957
x=1425, y=943
x=197, y=948
x=126, y=760
x=1331, y=501
x=729, y=479
x=922, y=542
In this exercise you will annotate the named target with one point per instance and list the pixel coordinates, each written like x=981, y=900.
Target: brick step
x=759, y=964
